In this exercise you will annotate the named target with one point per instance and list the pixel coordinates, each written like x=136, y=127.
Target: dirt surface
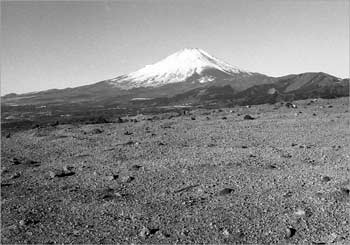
x=207, y=177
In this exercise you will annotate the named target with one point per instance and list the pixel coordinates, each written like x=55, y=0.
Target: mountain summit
x=190, y=76
x=178, y=67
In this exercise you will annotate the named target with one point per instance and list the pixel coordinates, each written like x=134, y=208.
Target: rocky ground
x=207, y=177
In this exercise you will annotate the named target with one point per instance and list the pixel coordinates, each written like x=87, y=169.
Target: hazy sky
x=47, y=44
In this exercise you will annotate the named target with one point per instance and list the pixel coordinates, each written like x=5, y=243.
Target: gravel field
x=207, y=177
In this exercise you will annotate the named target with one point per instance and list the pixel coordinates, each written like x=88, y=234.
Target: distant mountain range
x=189, y=77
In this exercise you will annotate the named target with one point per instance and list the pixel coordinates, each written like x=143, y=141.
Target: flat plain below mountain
x=204, y=176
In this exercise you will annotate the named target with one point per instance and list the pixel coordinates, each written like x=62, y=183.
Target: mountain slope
x=188, y=76
x=178, y=67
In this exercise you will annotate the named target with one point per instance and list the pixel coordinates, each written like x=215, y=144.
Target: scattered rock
x=193, y=118
x=128, y=133
x=54, y=124
x=211, y=145
x=288, y=194
x=291, y=105
x=127, y=179
x=135, y=167
x=67, y=168
x=272, y=166
x=225, y=232
x=97, y=131
x=226, y=191
x=119, y=120
x=286, y=155
x=145, y=232
x=224, y=118
x=290, y=232
x=326, y=179
x=112, y=177
x=110, y=194
x=22, y=222
x=130, y=143
x=314, y=114
x=244, y=147
x=31, y=163
x=15, y=175
x=294, y=144
x=15, y=161
x=60, y=173
x=345, y=191
x=161, y=235
x=8, y=135
x=248, y=117
x=161, y=144
x=299, y=212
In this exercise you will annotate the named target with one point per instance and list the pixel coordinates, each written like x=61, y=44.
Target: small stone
x=135, y=167
x=22, y=222
x=97, y=131
x=8, y=135
x=52, y=174
x=224, y=118
x=300, y=212
x=226, y=191
x=193, y=118
x=15, y=176
x=288, y=194
x=326, y=179
x=248, y=117
x=286, y=155
x=76, y=232
x=332, y=238
x=145, y=232
x=290, y=232
x=60, y=173
x=127, y=179
x=225, y=232
x=112, y=177
x=161, y=235
x=345, y=191
x=56, y=123
x=15, y=161
x=67, y=168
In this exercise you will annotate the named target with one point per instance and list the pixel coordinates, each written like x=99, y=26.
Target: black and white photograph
x=175, y=122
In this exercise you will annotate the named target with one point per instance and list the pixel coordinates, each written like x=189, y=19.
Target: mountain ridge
x=184, y=73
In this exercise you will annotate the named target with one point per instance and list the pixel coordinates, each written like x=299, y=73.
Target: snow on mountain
x=176, y=68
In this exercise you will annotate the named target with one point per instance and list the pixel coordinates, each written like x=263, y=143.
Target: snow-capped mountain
x=178, y=67
x=189, y=76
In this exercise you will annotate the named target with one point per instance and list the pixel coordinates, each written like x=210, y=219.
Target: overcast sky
x=47, y=44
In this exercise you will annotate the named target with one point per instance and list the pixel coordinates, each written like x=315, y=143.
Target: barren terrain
x=205, y=177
